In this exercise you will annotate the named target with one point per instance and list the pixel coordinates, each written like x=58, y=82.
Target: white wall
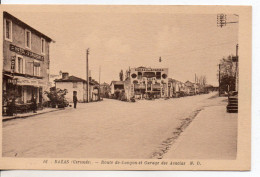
x=70, y=89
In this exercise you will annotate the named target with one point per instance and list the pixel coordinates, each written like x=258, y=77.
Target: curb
x=26, y=116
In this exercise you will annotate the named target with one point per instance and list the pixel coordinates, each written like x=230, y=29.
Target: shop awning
x=8, y=75
x=30, y=81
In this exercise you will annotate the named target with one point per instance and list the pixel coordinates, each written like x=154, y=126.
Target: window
x=158, y=75
x=139, y=75
x=74, y=84
x=28, y=39
x=19, y=64
x=36, y=69
x=8, y=30
x=42, y=46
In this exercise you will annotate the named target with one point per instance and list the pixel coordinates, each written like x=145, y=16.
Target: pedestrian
x=34, y=104
x=12, y=107
x=75, y=100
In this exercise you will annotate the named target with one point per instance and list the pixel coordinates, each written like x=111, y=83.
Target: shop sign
x=30, y=82
x=149, y=69
x=12, y=81
x=26, y=53
x=13, y=63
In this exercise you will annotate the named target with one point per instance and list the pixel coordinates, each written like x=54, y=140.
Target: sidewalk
x=30, y=114
x=211, y=135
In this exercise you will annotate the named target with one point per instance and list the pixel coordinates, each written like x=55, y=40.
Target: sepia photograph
x=136, y=84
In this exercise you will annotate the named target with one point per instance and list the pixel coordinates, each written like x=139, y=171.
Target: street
x=106, y=129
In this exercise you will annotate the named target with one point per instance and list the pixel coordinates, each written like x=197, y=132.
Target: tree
x=227, y=75
x=203, y=80
x=57, y=97
x=121, y=75
x=127, y=73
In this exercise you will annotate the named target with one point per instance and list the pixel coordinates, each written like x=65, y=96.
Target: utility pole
x=219, y=80
x=237, y=67
x=87, y=70
x=195, y=82
x=222, y=20
x=235, y=59
x=99, y=83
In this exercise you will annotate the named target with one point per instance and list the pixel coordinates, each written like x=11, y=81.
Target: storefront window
x=158, y=75
x=19, y=94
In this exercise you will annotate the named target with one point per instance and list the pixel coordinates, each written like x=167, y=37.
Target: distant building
x=117, y=85
x=144, y=81
x=77, y=85
x=174, y=87
x=26, y=61
x=190, y=88
x=105, y=90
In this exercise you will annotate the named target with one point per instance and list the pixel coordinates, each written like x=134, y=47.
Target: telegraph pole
x=237, y=67
x=222, y=20
x=219, y=80
x=87, y=70
x=195, y=83
x=99, y=83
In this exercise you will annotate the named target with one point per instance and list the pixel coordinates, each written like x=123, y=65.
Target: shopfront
x=149, y=82
x=19, y=91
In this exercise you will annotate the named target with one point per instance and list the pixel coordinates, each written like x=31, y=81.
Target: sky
x=188, y=44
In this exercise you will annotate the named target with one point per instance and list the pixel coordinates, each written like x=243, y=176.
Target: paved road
x=208, y=137
x=107, y=129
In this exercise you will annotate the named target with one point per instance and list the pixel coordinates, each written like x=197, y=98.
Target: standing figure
x=12, y=108
x=75, y=100
x=34, y=104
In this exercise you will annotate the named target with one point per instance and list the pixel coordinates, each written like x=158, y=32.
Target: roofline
x=68, y=80
x=6, y=14
x=90, y=83
x=79, y=80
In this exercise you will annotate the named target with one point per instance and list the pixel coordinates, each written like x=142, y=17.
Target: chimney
x=65, y=76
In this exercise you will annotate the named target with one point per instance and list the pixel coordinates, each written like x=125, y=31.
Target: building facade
x=145, y=81
x=174, y=87
x=190, y=88
x=26, y=61
x=105, y=90
x=78, y=86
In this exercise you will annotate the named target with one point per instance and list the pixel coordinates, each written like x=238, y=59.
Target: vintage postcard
x=89, y=87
